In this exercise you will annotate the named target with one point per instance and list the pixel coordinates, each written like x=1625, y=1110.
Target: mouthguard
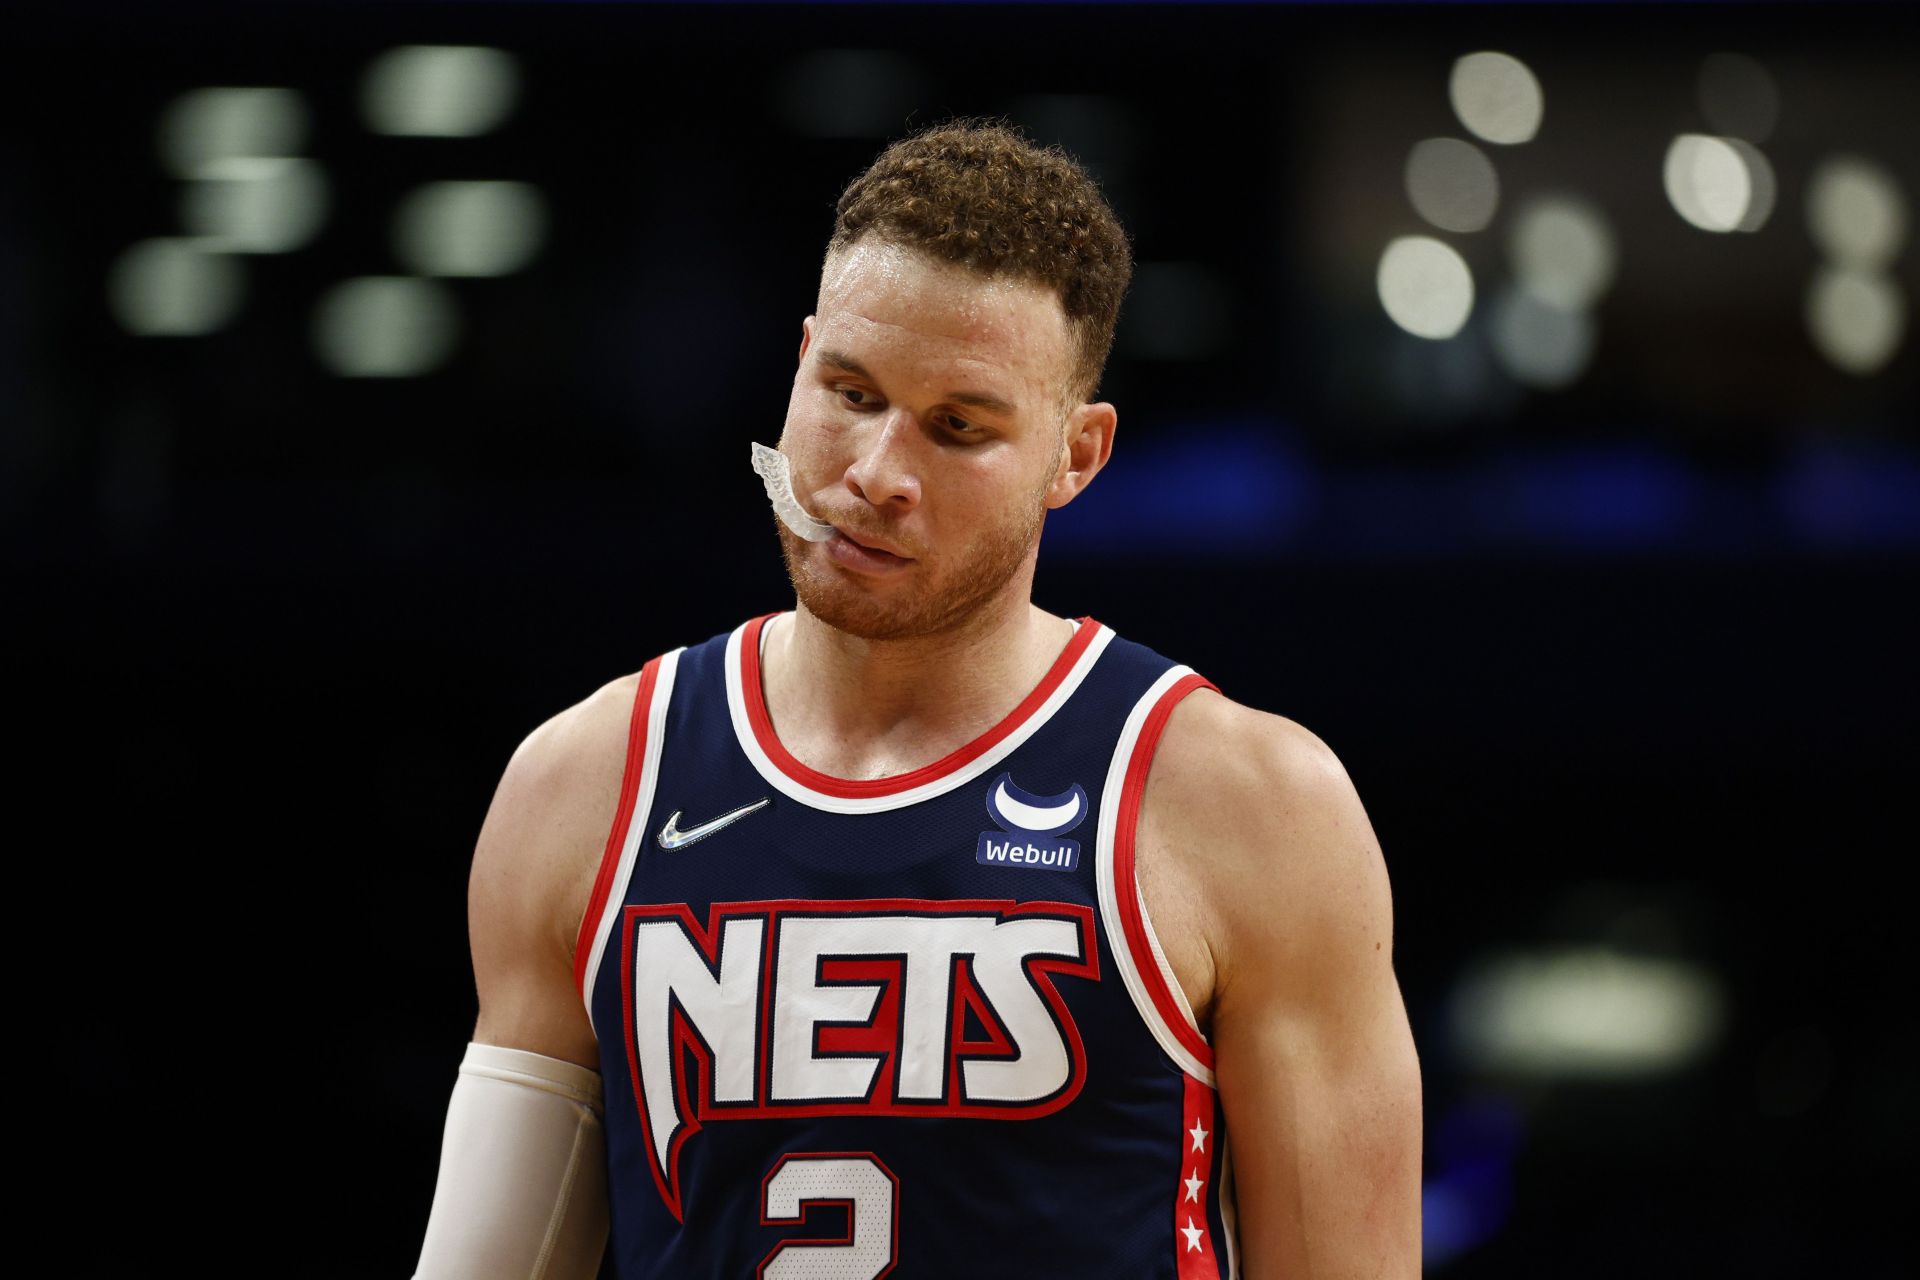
x=776, y=473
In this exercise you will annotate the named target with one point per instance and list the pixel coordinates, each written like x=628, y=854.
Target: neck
x=858, y=709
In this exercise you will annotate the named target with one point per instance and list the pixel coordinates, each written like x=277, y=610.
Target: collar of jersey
x=746, y=704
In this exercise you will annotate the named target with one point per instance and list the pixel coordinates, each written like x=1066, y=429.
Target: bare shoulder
x=534, y=866
x=1267, y=834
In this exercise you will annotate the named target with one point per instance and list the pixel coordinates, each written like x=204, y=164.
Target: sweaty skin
x=926, y=425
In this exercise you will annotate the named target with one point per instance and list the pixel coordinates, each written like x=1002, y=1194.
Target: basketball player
x=918, y=931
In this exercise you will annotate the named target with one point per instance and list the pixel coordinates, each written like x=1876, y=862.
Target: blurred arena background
x=1522, y=397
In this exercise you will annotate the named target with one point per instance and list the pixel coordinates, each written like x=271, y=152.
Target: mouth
x=865, y=553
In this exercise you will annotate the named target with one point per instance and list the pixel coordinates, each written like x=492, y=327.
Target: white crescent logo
x=1033, y=817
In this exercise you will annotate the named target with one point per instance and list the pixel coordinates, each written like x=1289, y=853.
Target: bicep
x=1316, y=1065
x=533, y=868
x=1324, y=1114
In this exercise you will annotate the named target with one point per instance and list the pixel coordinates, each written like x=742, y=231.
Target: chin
x=901, y=611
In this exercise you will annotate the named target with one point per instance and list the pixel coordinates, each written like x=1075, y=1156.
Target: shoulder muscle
x=533, y=870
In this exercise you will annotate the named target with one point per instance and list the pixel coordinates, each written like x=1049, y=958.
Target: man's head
x=967, y=305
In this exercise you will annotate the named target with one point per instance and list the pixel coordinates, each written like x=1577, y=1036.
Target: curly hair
x=978, y=193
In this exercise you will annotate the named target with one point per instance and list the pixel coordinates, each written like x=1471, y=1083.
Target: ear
x=1090, y=431
x=806, y=336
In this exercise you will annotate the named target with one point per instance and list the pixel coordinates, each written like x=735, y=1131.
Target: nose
x=883, y=471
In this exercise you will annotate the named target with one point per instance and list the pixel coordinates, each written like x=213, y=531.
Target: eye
x=964, y=427
x=852, y=391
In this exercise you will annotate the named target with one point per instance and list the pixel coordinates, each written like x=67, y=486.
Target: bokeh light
x=439, y=91
x=1762, y=189
x=207, y=125
x=256, y=204
x=1856, y=212
x=1497, y=97
x=1562, y=250
x=469, y=228
x=1452, y=184
x=1585, y=1012
x=1856, y=318
x=173, y=287
x=1540, y=344
x=385, y=327
x=1426, y=286
x=1707, y=182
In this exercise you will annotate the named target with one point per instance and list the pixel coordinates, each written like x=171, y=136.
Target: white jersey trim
x=794, y=789
x=637, y=821
x=1107, y=881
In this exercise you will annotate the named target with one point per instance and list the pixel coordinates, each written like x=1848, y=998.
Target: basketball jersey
x=915, y=1026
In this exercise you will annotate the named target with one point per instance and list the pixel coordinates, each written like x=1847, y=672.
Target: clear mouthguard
x=777, y=474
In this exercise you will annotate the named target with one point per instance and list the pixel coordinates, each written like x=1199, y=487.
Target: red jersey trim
x=617, y=838
x=869, y=788
x=1127, y=889
x=1194, y=1256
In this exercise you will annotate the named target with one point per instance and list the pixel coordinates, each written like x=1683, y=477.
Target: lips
x=871, y=543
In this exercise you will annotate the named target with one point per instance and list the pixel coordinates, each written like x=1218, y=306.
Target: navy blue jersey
x=914, y=1026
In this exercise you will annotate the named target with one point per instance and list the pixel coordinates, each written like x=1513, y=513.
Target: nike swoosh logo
x=672, y=837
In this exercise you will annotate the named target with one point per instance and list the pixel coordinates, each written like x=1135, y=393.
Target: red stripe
x=1192, y=1224
x=622, y=817
x=1126, y=889
x=848, y=788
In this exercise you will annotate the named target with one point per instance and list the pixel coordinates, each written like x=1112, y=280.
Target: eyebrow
x=978, y=399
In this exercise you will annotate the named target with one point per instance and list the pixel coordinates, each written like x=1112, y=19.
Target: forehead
x=936, y=321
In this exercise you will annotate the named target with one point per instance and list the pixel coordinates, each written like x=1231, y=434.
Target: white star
x=1199, y=1136
x=1194, y=1184
x=1193, y=1234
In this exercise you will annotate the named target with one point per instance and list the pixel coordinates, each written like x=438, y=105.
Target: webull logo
x=1031, y=828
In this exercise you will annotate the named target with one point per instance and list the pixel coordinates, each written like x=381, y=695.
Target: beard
x=928, y=606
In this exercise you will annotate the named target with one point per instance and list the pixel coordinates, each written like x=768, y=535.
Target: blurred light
x=1708, y=182
x=1598, y=497
x=1496, y=97
x=1470, y=1194
x=1856, y=318
x=1588, y=1012
x=174, y=288
x=254, y=204
x=1853, y=494
x=1214, y=488
x=1541, y=345
x=1452, y=184
x=1562, y=251
x=848, y=93
x=1856, y=212
x=1425, y=286
x=1444, y=384
x=1738, y=97
x=1763, y=188
x=220, y=124
x=469, y=228
x=439, y=91
x=385, y=327
x=1178, y=311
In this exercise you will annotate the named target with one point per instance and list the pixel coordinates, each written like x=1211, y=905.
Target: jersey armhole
x=645, y=731
x=1142, y=962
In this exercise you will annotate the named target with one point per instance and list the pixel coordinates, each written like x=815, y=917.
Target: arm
x=1314, y=1057
x=522, y=1185
x=533, y=871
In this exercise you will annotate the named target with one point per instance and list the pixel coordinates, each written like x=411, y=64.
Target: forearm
x=522, y=1189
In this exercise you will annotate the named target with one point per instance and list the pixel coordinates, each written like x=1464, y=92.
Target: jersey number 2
x=856, y=1180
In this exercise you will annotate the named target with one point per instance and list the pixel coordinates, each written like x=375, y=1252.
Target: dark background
x=1624, y=671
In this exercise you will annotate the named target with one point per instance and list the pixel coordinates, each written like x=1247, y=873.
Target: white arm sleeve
x=523, y=1172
